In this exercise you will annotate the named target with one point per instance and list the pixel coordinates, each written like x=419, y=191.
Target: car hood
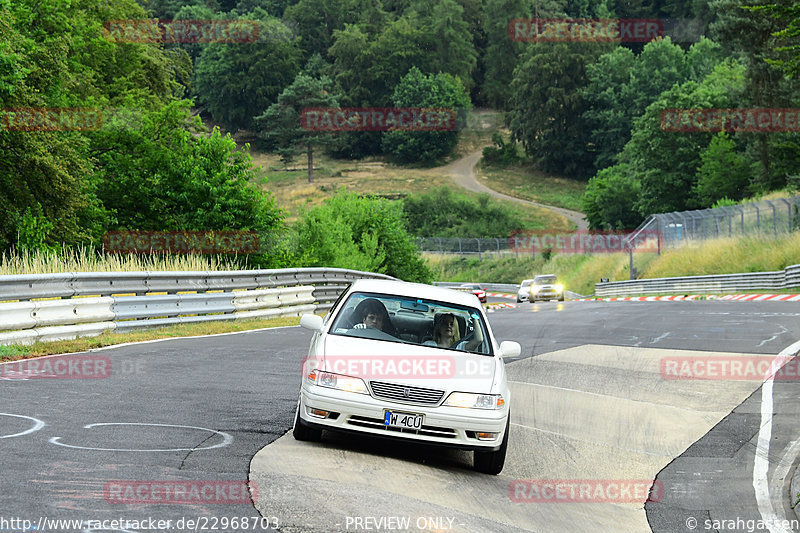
x=409, y=364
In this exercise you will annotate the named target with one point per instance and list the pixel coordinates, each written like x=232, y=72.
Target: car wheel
x=561, y=299
x=302, y=432
x=492, y=462
x=518, y=300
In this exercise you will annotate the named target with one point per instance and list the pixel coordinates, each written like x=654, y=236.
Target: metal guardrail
x=42, y=307
x=760, y=281
x=495, y=287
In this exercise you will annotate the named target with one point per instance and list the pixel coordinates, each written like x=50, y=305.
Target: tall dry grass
x=86, y=260
x=727, y=256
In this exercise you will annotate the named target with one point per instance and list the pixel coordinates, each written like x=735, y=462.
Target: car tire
x=561, y=299
x=492, y=462
x=518, y=300
x=302, y=432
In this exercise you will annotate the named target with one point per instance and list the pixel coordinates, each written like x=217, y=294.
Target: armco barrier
x=67, y=305
x=723, y=283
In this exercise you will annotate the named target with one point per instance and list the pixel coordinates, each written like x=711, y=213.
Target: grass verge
x=530, y=184
x=579, y=273
x=82, y=344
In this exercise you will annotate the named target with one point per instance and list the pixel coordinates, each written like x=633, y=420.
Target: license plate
x=402, y=420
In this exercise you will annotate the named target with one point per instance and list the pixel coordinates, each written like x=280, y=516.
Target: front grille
x=406, y=394
x=377, y=423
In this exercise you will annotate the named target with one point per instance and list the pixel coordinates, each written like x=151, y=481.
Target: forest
x=588, y=109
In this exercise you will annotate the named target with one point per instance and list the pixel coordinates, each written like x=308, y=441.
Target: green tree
x=448, y=39
x=238, y=81
x=547, y=106
x=316, y=20
x=169, y=175
x=502, y=53
x=787, y=49
x=57, y=55
x=435, y=91
x=609, y=115
x=666, y=162
x=610, y=199
x=622, y=85
x=280, y=125
x=349, y=231
x=723, y=172
x=749, y=34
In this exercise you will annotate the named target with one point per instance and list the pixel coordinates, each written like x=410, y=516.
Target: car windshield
x=410, y=320
x=525, y=283
x=545, y=280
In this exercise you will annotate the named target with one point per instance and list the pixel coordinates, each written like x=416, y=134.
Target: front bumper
x=546, y=294
x=452, y=427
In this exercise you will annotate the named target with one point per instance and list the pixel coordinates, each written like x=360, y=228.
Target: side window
x=335, y=305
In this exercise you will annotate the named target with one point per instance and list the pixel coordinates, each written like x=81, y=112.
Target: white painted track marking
x=37, y=425
x=761, y=460
x=226, y=438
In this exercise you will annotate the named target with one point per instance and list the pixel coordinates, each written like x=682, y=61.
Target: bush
x=506, y=153
x=418, y=90
x=443, y=213
x=349, y=231
x=610, y=199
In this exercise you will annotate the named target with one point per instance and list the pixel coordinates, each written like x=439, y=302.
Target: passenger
x=371, y=313
x=446, y=334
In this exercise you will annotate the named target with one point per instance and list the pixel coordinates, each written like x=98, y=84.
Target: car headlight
x=337, y=381
x=559, y=288
x=475, y=401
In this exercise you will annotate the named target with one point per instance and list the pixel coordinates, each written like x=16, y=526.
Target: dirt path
x=463, y=173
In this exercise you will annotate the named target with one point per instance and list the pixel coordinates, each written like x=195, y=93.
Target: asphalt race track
x=591, y=405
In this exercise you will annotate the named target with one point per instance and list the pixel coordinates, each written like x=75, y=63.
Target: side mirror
x=510, y=349
x=312, y=322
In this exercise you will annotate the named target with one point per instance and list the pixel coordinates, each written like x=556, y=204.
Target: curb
x=794, y=488
x=729, y=298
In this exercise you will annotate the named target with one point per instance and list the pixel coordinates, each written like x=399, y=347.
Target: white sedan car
x=524, y=290
x=410, y=362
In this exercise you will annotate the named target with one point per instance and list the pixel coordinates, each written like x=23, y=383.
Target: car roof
x=419, y=290
x=546, y=276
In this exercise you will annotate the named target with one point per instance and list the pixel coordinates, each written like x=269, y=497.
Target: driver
x=371, y=313
x=447, y=335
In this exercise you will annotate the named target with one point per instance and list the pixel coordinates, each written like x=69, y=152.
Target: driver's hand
x=360, y=326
